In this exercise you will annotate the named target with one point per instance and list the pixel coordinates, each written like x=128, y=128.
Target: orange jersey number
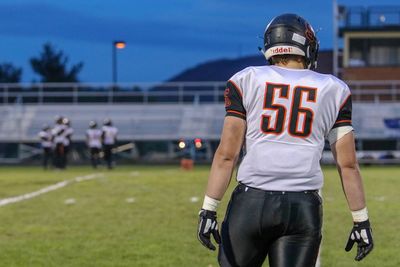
x=297, y=111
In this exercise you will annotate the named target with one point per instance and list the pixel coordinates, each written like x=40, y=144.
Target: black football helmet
x=66, y=121
x=291, y=34
x=92, y=124
x=59, y=119
x=107, y=122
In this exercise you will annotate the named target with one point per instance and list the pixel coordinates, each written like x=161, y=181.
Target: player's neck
x=291, y=64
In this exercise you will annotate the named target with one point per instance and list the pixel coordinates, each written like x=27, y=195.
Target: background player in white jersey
x=109, y=138
x=281, y=114
x=58, y=140
x=46, y=144
x=67, y=138
x=93, y=141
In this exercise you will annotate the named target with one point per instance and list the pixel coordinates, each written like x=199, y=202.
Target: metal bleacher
x=167, y=114
x=163, y=111
x=21, y=123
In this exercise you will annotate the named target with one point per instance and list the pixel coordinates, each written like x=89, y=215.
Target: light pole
x=116, y=45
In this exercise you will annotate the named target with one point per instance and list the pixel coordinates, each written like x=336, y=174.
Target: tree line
x=51, y=66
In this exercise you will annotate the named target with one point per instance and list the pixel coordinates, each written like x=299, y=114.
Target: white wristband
x=210, y=203
x=360, y=215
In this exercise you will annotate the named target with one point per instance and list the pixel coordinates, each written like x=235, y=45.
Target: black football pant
x=94, y=156
x=108, y=156
x=46, y=157
x=59, y=156
x=65, y=156
x=285, y=226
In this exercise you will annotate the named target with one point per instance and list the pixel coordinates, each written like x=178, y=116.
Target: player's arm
x=224, y=161
x=87, y=139
x=231, y=143
x=342, y=143
x=225, y=157
x=222, y=167
x=346, y=160
x=102, y=136
x=42, y=137
x=345, y=156
x=52, y=135
x=70, y=133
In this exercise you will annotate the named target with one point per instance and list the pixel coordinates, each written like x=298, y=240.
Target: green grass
x=159, y=227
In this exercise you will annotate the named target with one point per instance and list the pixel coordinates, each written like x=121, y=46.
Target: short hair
x=284, y=59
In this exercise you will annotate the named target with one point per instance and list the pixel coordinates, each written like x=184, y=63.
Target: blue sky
x=163, y=37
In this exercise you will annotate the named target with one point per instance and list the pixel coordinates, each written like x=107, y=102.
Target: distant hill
x=223, y=69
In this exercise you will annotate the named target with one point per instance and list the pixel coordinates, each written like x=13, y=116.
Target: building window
x=374, y=52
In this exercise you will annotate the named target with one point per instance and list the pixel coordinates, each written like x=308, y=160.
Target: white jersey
x=288, y=112
x=109, y=134
x=45, y=137
x=58, y=133
x=67, y=135
x=94, y=138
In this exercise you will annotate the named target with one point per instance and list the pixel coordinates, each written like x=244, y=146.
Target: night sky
x=163, y=37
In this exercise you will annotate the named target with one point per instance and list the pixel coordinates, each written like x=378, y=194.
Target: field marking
x=48, y=189
x=380, y=198
x=134, y=173
x=194, y=199
x=130, y=200
x=70, y=201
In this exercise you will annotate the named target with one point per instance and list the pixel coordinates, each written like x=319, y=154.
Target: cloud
x=41, y=20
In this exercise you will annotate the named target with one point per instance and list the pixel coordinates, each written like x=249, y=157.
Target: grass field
x=147, y=216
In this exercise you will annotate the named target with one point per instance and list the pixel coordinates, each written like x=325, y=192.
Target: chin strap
x=262, y=50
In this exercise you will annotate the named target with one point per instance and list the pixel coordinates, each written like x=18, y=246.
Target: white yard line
x=50, y=188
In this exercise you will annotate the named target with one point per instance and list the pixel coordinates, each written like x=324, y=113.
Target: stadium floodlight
x=119, y=44
x=116, y=45
x=181, y=144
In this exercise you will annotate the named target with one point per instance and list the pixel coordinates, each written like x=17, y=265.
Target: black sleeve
x=234, y=101
x=344, y=117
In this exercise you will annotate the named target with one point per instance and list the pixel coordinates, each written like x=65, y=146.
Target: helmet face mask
x=290, y=34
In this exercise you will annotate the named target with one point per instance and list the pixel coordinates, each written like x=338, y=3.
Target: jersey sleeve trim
x=237, y=114
x=345, y=101
x=236, y=87
x=342, y=121
x=234, y=101
x=344, y=116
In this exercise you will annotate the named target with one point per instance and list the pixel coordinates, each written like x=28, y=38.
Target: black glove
x=208, y=225
x=362, y=235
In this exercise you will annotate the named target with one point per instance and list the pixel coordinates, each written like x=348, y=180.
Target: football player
x=281, y=114
x=68, y=132
x=93, y=141
x=109, y=138
x=46, y=144
x=58, y=140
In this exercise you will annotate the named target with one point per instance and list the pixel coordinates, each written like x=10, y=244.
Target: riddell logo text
x=282, y=50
